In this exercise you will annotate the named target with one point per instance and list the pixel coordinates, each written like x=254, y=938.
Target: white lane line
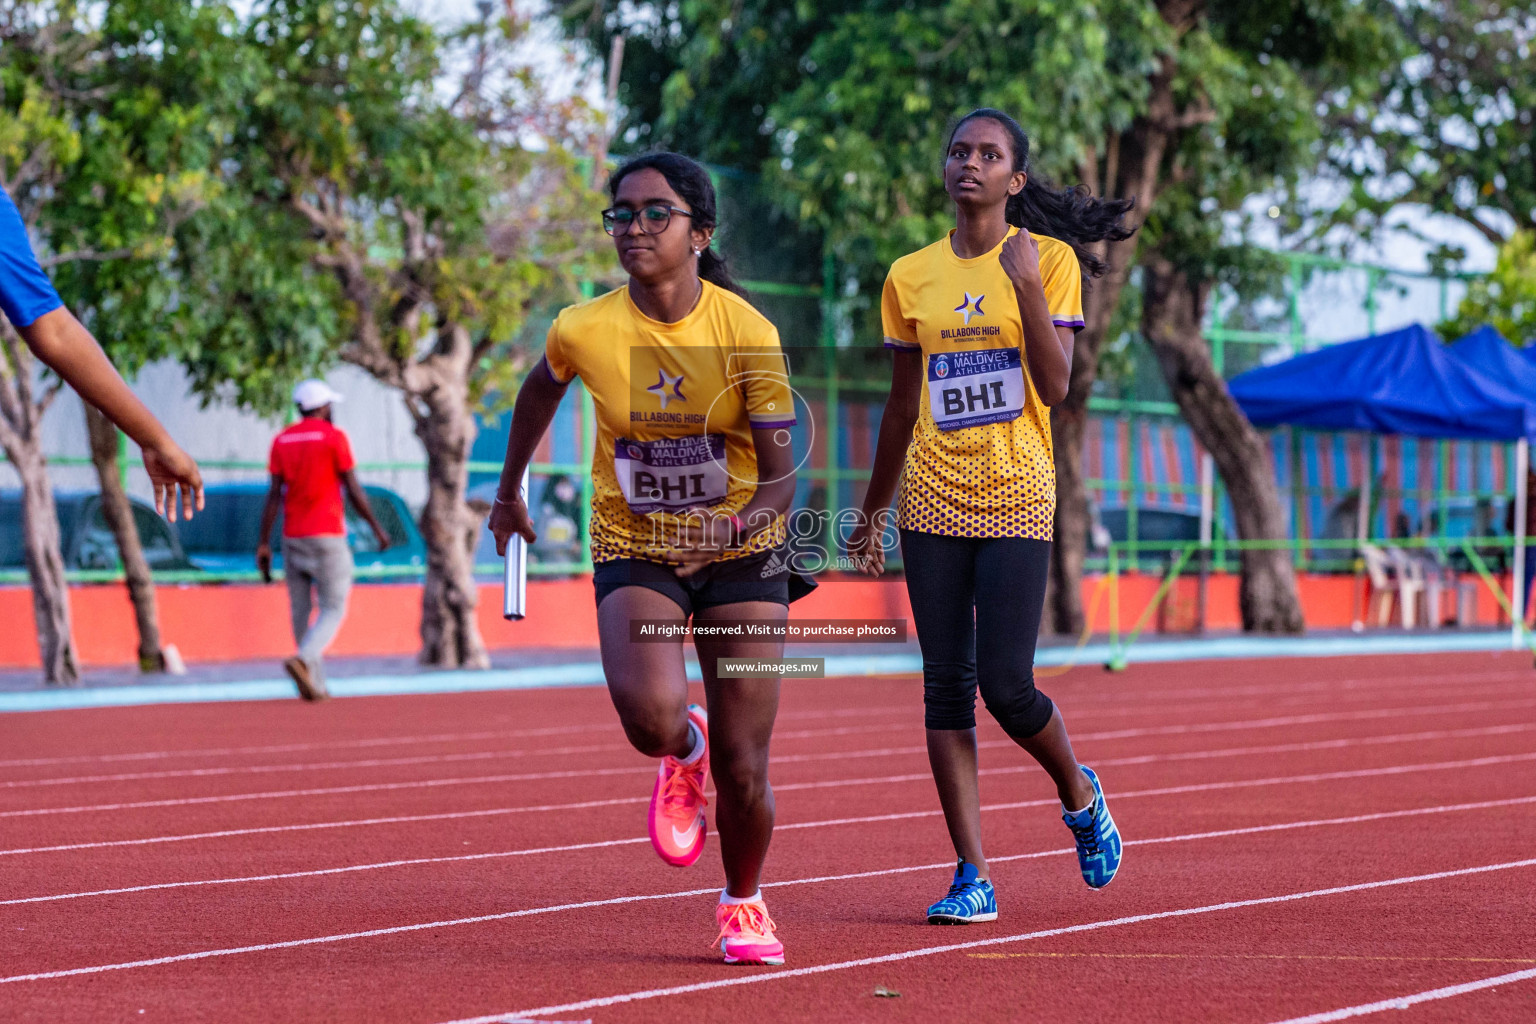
x=1174, y=730
x=1403, y=1002
x=1337, y=744
x=1094, y=696
x=1202, y=787
x=371, y=787
x=256, y=769
x=396, y=762
x=293, y=748
x=1335, y=716
x=915, y=777
x=501, y=753
x=629, y=997
x=911, y=954
x=1186, y=755
x=503, y=854
x=389, y=741
x=1328, y=686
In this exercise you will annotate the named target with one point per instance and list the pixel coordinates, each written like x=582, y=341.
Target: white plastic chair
x=1441, y=582
x=1410, y=584
x=1383, y=585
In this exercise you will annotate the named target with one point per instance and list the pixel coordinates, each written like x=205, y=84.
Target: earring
x=697, y=251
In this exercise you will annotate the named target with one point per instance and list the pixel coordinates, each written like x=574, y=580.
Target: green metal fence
x=1241, y=332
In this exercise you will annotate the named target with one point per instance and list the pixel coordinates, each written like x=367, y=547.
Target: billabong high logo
x=970, y=307
x=667, y=388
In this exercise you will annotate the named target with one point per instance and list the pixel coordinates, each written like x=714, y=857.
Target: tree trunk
x=1069, y=424
x=450, y=634
x=1130, y=166
x=118, y=512
x=1069, y=550
x=1172, y=308
x=45, y=566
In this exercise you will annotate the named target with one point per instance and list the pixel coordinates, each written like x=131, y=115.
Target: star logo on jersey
x=667, y=388
x=970, y=307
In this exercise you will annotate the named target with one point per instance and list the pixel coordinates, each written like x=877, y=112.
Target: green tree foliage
x=261, y=190
x=426, y=191
x=1452, y=126
x=845, y=108
x=123, y=180
x=108, y=132
x=1506, y=298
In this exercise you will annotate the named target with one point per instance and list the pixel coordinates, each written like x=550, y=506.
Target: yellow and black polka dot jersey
x=676, y=405
x=980, y=462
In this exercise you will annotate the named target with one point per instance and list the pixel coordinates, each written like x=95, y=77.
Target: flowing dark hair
x=1073, y=215
x=690, y=181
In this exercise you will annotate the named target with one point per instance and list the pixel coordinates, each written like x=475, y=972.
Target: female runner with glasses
x=982, y=324
x=692, y=474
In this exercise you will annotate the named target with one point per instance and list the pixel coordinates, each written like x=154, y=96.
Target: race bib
x=970, y=389
x=672, y=474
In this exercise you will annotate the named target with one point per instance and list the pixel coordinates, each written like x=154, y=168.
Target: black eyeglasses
x=654, y=219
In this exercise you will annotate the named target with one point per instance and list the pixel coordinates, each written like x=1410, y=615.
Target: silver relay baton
x=514, y=578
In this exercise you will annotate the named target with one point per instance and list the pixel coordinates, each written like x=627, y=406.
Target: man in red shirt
x=310, y=465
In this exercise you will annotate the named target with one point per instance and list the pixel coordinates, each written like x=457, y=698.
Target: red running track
x=1307, y=840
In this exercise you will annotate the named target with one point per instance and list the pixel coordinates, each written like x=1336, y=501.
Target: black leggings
x=976, y=602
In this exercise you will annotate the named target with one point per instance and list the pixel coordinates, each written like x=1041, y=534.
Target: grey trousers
x=322, y=565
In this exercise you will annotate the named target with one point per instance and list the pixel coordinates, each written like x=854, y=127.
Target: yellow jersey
x=980, y=461
x=676, y=405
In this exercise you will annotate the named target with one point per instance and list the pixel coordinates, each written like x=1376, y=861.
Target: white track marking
x=1336, y=716
x=388, y=741
x=497, y=811
x=292, y=748
x=780, y=975
x=371, y=787
x=257, y=769
x=1200, y=787
x=396, y=762
x=1191, y=755
x=1174, y=730
x=1403, y=1002
x=653, y=993
x=1092, y=696
x=503, y=854
x=1327, y=686
x=1338, y=744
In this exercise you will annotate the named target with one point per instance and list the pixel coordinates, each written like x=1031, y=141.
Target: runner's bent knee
x=949, y=695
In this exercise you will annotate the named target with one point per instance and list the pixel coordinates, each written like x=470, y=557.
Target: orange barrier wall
x=236, y=622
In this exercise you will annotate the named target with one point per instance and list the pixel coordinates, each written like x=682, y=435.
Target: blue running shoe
x=970, y=900
x=1098, y=840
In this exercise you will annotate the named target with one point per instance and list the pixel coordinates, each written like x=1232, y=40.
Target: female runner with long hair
x=692, y=474
x=982, y=325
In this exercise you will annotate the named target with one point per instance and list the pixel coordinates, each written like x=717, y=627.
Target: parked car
x=1162, y=525
x=1111, y=524
x=556, y=519
x=1467, y=517
x=222, y=537
x=86, y=540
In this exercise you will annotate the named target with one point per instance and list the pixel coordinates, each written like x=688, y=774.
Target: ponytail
x=1073, y=215
x=712, y=268
x=690, y=181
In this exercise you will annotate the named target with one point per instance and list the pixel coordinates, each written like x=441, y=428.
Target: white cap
x=313, y=394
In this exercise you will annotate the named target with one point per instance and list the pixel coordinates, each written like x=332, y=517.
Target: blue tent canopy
x=1402, y=382
x=1486, y=351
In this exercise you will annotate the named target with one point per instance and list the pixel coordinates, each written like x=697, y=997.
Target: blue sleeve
x=25, y=291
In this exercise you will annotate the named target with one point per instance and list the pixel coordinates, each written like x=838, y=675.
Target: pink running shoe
x=746, y=934
x=678, y=802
